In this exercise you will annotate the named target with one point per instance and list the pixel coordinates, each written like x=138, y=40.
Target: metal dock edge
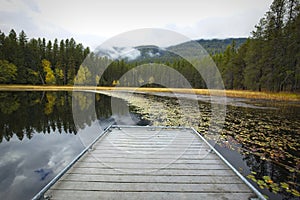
x=259, y=195
x=40, y=195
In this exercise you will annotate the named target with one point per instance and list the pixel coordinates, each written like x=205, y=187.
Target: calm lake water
x=39, y=137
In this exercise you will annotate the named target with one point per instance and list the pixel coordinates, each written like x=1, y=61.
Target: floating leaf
x=295, y=192
x=292, y=170
x=261, y=184
x=250, y=176
x=284, y=185
x=266, y=197
x=275, y=188
x=267, y=179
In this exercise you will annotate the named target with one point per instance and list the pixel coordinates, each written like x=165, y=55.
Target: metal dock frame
x=41, y=194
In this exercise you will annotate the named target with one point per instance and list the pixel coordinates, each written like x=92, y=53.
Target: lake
x=39, y=136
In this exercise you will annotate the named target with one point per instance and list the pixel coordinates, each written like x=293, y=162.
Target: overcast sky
x=93, y=21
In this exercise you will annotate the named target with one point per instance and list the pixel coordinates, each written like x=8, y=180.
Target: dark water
x=39, y=137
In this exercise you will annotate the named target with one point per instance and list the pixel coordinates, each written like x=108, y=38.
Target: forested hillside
x=215, y=46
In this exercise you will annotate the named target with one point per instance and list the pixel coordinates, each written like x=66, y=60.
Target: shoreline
x=281, y=96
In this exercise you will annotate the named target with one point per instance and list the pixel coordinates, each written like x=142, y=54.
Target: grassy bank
x=282, y=96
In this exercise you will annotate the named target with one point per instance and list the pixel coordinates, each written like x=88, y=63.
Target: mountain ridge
x=150, y=52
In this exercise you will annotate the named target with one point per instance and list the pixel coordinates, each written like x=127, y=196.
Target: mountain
x=149, y=53
x=214, y=46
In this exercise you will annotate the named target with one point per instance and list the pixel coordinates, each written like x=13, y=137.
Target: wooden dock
x=151, y=163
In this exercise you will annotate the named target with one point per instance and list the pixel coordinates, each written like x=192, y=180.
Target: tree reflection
x=24, y=114
x=9, y=103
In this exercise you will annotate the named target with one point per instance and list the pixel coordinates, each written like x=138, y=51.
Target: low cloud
x=118, y=52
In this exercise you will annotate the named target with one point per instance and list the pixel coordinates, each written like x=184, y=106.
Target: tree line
x=269, y=60
x=39, y=61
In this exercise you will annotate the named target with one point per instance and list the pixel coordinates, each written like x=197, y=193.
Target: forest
x=269, y=60
x=38, y=61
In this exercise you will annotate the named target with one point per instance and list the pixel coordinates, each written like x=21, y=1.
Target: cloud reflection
x=34, y=162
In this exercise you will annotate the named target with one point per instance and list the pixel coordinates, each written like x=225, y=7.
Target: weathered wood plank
x=152, y=179
x=149, y=160
x=148, y=145
x=149, y=140
x=137, y=155
x=156, y=171
x=149, y=166
x=154, y=145
x=151, y=187
x=121, y=138
x=160, y=152
x=93, y=195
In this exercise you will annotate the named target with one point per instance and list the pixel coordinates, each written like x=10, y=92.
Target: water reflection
x=26, y=167
x=38, y=137
x=25, y=113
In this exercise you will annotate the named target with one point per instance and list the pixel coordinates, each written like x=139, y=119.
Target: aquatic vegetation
x=267, y=182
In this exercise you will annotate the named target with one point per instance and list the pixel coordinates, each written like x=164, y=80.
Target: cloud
x=151, y=54
x=239, y=25
x=92, y=21
x=117, y=52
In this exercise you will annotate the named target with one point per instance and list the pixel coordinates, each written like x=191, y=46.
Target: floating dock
x=131, y=162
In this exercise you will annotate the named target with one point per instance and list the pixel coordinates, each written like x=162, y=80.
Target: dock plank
x=150, y=179
x=164, y=171
x=152, y=187
x=83, y=195
x=178, y=166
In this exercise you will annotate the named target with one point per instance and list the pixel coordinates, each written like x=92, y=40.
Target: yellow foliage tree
x=50, y=78
x=84, y=76
x=50, y=103
x=116, y=82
